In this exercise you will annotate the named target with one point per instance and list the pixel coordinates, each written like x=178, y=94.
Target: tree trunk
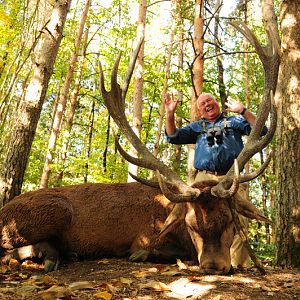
x=180, y=36
x=28, y=114
x=89, y=142
x=70, y=113
x=63, y=100
x=106, y=144
x=246, y=94
x=28, y=39
x=217, y=41
x=138, y=86
x=197, y=77
x=288, y=150
x=165, y=87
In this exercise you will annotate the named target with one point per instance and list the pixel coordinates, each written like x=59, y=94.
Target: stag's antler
x=270, y=58
x=115, y=103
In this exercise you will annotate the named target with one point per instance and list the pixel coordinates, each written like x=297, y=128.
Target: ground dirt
x=121, y=279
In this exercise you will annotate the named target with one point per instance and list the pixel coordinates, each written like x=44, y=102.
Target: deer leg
x=42, y=250
x=151, y=252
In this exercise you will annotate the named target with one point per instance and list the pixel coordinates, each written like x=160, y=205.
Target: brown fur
x=92, y=220
x=114, y=220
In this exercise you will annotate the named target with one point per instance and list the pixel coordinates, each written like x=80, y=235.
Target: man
x=218, y=141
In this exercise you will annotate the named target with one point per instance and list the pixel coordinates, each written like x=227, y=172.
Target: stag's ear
x=248, y=210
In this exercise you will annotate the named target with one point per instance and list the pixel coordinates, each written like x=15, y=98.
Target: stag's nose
x=216, y=267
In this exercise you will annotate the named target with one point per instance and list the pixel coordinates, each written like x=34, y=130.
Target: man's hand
x=170, y=106
x=170, y=103
x=233, y=105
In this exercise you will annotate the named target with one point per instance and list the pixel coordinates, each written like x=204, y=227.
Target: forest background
x=72, y=141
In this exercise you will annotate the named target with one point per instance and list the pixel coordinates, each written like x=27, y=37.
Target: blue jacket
x=218, y=157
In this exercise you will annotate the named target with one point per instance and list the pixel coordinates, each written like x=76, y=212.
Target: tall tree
x=89, y=141
x=21, y=34
x=166, y=81
x=246, y=76
x=197, y=78
x=70, y=111
x=180, y=61
x=138, y=82
x=217, y=40
x=288, y=150
x=29, y=110
x=63, y=99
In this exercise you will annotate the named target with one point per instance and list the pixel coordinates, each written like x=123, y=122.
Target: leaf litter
x=120, y=279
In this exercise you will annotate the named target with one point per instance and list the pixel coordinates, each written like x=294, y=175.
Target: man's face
x=208, y=107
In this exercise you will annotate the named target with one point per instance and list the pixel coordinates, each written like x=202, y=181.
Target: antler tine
x=264, y=141
x=115, y=108
x=114, y=72
x=144, y=181
x=163, y=185
x=255, y=143
x=249, y=35
x=116, y=92
x=256, y=173
x=130, y=69
x=101, y=78
x=134, y=160
x=227, y=193
x=174, y=197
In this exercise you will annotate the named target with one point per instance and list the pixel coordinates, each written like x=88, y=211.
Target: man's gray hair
x=209, y=95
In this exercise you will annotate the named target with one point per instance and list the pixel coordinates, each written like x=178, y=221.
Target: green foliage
x=112, y=28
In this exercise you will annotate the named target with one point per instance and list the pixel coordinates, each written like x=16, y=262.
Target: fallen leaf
x=155, y=269
x=154, y=285
x=99, y=272
x=140, y=274
x=4, y=269
x=26, y=290
x=28, y=264
x=134, y=293
x=103, y=295
x=14, y=264
x=194, y=278
x=42, y=280
x=223, y=297
x=103, y=261
x=181, y=265
x=266, y=288
x=81, y=285
x=115, y=286
x=55, y=292
x=126, y=280
x=23, y=276
x=172, y=273
x=6, y=290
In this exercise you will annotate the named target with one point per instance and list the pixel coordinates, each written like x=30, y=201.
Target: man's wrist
x=243, y=111
x=170, y=115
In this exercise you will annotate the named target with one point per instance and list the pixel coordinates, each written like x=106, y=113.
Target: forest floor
x=121, y=279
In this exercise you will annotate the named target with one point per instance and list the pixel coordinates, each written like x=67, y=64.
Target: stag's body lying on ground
x=91, y=220
x=116, y=220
